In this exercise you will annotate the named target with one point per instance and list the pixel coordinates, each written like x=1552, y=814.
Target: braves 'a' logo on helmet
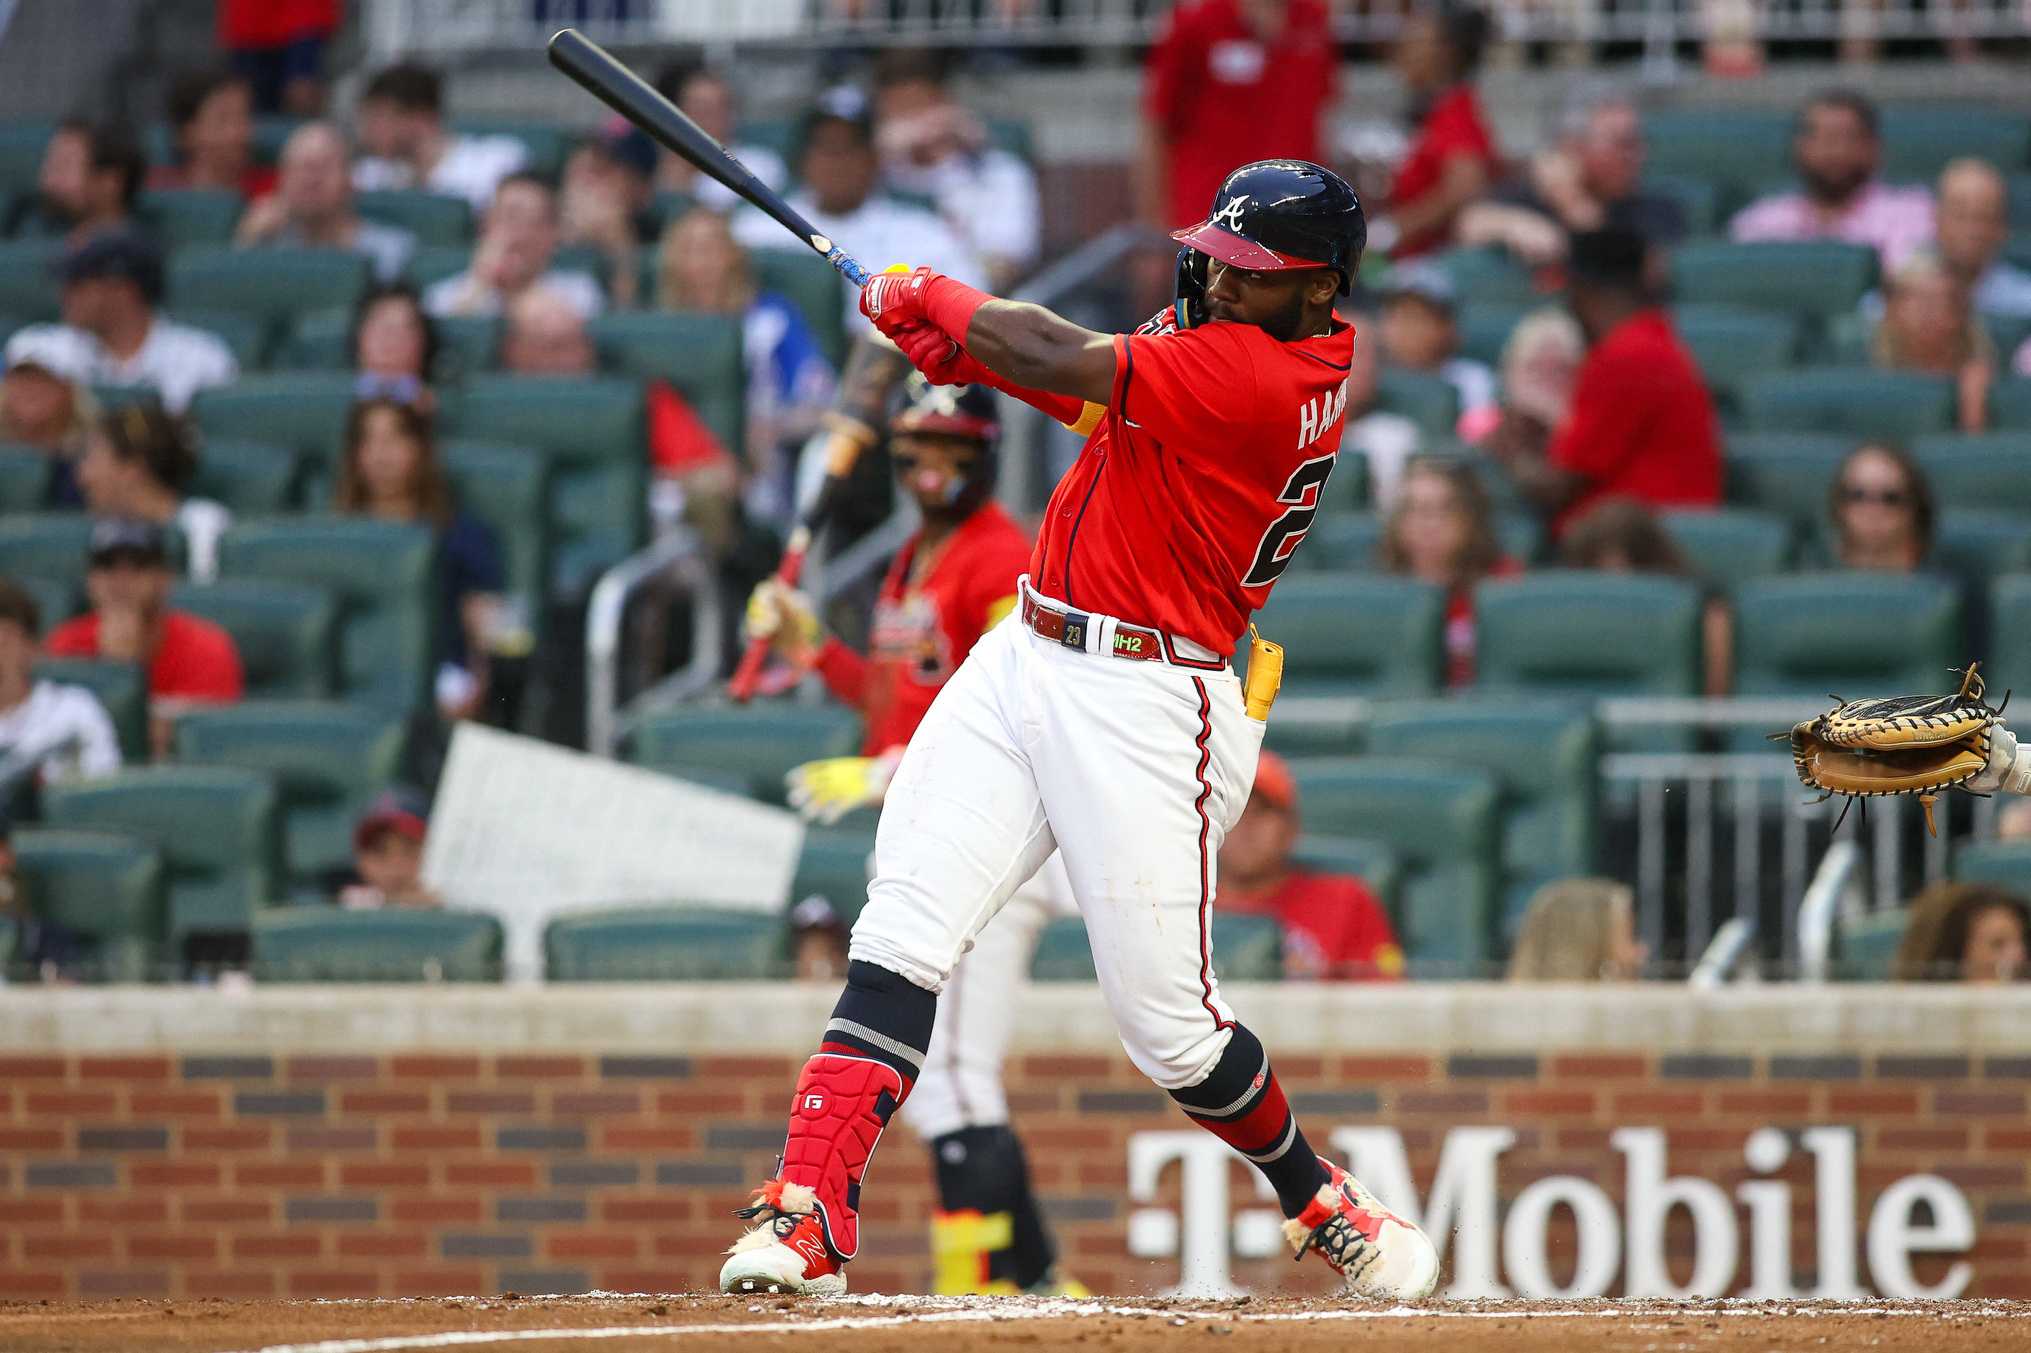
x=1230, y=214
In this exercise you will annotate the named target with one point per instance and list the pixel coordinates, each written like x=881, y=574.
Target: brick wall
x=328, y=1175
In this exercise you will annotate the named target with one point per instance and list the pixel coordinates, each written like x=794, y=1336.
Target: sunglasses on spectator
x=1880, y=497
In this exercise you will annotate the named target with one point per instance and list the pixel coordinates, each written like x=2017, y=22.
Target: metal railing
x=678, y=558
x=439, y=27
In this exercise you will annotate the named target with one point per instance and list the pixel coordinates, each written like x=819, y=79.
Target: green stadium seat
x=286, y=632
x=471, y=343
x=1919, y=140
x=217, y=828
x=1733, y=147
x=276, y=284
x=21, y=149
x=669, y=206
x=1521, y=535
x=27, y=476
x=1797, y=635
x=1432, y=402
x=1585, y=633
x=28, y=288
x=1867, y=944
x=592, y=431
x=1808, y=279
x=1698, y=198
x=305, y=411
x=1978, y=546
x=383, y=577
x=666, y=944
x=1356, y=634
x=1978, y=469
x=1488, y=274
x=270, y=131
x=834, y=866
x=255, y=479
x=1786, y=473
x=1544, y=757
x=433, y=218
x=507, y=488
x=1339, y=542
x=331, y=944
x=2007, y=333
x=106, y=889
x=2009, y=634
x=1442, y=818
x=758, y=742
x=44, y=544
x=184, y=217
x=697, y=353
x=317, y=340
x=1347, y=490
x=1245, y=949
x=122, y=687
x=813, y=286
x=1485, y=327
x=1858, y=402
x=1731, y=343
x=248, y=335
x=1729, y=545
x=330, y=761
x=547, y=143
x=2009, y=401
x=1370, y=861
x=56, y=599
x=1063, y=953
x=2006, y=863
x=432, y=263
x=772, y=133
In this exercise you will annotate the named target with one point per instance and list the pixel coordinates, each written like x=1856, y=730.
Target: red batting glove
x=895, y=296
x=943, y=362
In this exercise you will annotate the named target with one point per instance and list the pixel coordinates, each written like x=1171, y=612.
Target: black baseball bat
x=636, y=100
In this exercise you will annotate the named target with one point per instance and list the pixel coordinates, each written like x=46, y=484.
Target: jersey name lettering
x=1317, y=414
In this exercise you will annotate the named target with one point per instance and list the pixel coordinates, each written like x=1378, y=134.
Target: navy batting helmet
x=1277, y=215
x=955, y=411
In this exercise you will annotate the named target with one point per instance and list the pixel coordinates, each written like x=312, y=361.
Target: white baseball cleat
x=786, y=1251
x=1377, y=1253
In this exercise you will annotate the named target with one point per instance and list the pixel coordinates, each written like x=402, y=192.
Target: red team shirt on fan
x=921, y=634
x=1453, y=127
x=1199, y=481
x=1334, y=929
x=197, y=660
x=1642, y=423
x=1221, y=97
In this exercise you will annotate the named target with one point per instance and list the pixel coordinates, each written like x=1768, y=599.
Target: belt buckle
x=1074, y=635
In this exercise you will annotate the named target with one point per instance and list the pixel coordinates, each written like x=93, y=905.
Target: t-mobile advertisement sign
x=1499, y=1255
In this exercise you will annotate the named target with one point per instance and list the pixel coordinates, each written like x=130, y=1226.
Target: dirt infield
x=911, y=1324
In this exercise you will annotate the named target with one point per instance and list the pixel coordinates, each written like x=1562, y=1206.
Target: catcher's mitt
x=1903, y=744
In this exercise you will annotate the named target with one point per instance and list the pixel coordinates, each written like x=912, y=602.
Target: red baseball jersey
x=1201, y=478
x=1334, y=928
x=922, y=632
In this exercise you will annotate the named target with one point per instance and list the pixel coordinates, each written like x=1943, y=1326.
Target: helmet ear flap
x=1191, y=288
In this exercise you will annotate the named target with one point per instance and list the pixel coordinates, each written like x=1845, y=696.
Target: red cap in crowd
x=1274, y=783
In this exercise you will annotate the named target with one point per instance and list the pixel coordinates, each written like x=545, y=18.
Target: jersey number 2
x=1280, y=541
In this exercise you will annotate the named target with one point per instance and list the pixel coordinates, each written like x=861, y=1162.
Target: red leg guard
x=842, y=1105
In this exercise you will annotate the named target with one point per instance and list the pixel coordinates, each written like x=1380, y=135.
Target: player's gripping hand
x=784, y=616
x=894, y=296
x=825, y=791
x=932, y=351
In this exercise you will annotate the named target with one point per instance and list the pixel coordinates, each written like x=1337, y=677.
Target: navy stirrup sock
x=1242, y=1104
x=884, y=1016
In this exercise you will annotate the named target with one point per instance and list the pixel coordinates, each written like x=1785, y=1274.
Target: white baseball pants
x=1133, y=770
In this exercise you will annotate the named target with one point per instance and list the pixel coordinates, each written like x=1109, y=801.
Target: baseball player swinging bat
x=852, y=431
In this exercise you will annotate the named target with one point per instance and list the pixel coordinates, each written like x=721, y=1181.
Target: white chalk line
x=1049, y=1310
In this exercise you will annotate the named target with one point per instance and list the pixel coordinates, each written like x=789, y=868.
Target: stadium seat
x=249, y=337
x=1731, y=343
x=275, y=284
x=1347, y=490
x=1543, y=756
x=21, y=149
x=56, y=599
x=316, y=340
x=106, y=889
x=121, y=687
x=2009, y=401
x=1442, y=818
x=834, y=866
x=184, y=217
x=2007, y=333
x=1729, y=545
x=2009, y=634
x=1867, y=944
x=432, y=263
x=45, y=544
x=331, y=944
x=758, y=742
x=2007, y=863
x=1699, y=199
x=28, y=279
x=1485, y=327
x=302, y=410
x=27, y=474
x=1356, y=633
x=1430, y=401
x=1733, y=147
x=699, y=354
x=1063, y=953
x=1797, y=635
x=472, y=343
x=1919, y=140
x=1246, y=948
x=1339, y=542
x=1977, y=546
x=217, y=828
x=666, y=944
x=1810, y=280
x=1787, y=473
x=383, y=577
x=1374, y=863
x=668, y=206
x=1989, y=470
x=547, y=143
x=1488, y=274
x=813, y=286
x=286, y=632
x=592, y=431
x=255, y=479
x=433, y=218
x=1586, y=633
x=1858, y=402
x=507, y=488
x=329, y=760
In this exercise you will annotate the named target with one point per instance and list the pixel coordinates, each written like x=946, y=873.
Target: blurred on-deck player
x=951, y=582
x=1101, y=719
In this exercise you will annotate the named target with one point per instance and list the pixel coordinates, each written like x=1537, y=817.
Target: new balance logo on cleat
x=786, y=1252
x=1377, y=1253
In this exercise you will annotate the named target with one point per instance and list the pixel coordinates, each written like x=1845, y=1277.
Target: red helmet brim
x=1239, y=252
